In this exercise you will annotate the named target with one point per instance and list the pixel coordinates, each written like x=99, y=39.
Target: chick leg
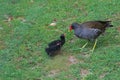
x=94, y=45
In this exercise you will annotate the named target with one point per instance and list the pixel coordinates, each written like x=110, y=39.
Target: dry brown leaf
x=8, y=18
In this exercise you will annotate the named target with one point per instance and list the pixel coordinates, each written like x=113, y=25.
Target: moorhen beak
x=70, y=28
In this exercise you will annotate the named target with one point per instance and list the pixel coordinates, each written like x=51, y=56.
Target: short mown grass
x=25, y=32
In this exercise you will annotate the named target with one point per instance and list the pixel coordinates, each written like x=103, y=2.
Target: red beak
x=70, y=28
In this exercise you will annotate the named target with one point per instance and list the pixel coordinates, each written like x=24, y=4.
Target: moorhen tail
x=90, y=30
x=55, y=46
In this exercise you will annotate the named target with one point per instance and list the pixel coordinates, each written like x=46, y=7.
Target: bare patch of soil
x=102, y=75
x=72, y=60
x=53, y=73
x=84, y=72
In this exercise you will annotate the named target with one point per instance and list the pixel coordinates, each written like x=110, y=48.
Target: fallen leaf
x=53, y=24
x=8, y=18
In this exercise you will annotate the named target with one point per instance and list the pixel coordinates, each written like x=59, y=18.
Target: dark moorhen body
x=90, y=30
x=55, y=46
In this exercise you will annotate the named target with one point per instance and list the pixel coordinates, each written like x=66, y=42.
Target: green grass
x=23, y=39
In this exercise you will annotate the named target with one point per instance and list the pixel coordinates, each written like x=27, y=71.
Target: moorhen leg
x=94, y=45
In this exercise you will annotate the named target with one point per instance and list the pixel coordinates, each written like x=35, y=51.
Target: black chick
x=55, y=46
x=90, y=30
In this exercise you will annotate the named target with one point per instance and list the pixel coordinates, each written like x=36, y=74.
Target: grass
x=25, y=32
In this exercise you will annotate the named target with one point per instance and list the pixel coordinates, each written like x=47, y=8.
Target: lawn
x=25, y=31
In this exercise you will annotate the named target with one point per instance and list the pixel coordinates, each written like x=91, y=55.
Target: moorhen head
x=74, y=25
x=55, y=46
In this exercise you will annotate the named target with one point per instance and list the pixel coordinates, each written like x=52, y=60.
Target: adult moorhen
x=55, y=46
x=90, y=30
